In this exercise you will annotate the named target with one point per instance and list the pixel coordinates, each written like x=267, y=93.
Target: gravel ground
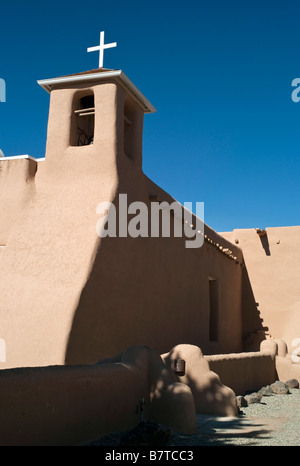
x=275, y=421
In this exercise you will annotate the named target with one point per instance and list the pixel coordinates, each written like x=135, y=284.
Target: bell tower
x=97, y=113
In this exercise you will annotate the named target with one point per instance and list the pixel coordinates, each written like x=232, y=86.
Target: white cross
x=101, y=48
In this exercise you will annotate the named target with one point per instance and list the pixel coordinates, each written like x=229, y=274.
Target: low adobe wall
x=210, y=394
x=246, y=371
x=66, y=405
x=70, y=405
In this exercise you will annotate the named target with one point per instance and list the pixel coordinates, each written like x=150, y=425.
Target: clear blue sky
x=219, y=73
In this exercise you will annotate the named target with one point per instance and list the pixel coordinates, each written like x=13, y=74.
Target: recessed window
x=213, y=309
x=83, y=120
x=128, y=130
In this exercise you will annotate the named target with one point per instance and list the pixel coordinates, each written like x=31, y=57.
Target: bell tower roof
x=97, y=75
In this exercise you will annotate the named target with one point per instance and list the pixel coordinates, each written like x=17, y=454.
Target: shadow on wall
x=135, y=295
x=253, y=331
x=147, y=291
x=264, y=240
x=265, y=244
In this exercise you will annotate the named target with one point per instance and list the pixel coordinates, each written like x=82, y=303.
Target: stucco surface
x=70, y=297
x=66, y=405
x=273, y=265
x=210, y=394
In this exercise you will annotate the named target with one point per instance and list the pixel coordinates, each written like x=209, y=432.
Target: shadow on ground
x=222, y=431
x=213, y=431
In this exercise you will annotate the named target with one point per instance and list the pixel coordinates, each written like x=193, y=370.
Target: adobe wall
x=69, y=297
x=51, y=246
x=16, y=192
x=158, y=289
x=273, y=266
x=243, y=372
x=70, y=405
x=211, y=395
x=250, y=371
x=62, y=405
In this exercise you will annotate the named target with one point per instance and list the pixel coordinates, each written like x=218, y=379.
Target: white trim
x=16, y=157
x=149, y=107
x=47, y=83
x=118, y=74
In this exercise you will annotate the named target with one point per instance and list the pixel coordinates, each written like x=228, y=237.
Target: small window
x=213, y=309
x=128, y=130
x=83, y=120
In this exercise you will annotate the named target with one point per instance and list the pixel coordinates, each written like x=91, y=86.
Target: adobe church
x=69, y=297
x=76, y=297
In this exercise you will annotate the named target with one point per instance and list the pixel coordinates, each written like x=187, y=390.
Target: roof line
x=118, y=74
x=18, y=157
